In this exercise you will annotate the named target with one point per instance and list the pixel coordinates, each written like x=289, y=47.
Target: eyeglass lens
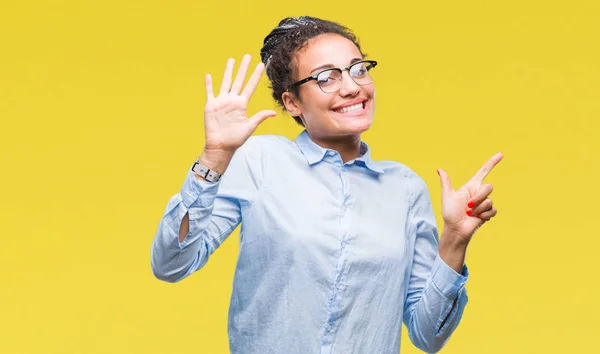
x=331, y=80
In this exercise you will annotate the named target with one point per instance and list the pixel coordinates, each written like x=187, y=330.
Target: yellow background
x=101, y=115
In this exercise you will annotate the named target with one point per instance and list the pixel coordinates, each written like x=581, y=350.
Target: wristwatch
x=207, y=173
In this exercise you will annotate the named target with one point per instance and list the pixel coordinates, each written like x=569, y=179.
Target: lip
x=359, y=113
x=349, y=103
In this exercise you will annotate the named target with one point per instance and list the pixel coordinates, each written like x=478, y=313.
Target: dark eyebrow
x=329, y=66
x=319, y=68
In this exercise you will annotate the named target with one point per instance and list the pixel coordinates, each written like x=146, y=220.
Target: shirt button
x=331, y=153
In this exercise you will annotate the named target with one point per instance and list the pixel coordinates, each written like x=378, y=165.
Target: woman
x=336, y=249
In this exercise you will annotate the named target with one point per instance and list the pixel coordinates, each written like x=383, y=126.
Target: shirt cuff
x=446, y=279
x=195, y=193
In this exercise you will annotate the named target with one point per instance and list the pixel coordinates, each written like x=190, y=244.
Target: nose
x=349, y=87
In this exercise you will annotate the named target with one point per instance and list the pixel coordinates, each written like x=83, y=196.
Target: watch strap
x=207, y=173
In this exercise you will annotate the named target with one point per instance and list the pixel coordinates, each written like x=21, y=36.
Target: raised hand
x=226, y=123
x=466, y=209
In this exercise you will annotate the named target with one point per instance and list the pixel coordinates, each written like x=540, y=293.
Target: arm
x=199, y=218
x=212, y=210
x=436, y=295
x=216, y=161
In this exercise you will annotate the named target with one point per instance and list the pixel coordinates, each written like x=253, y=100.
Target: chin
x=353, y=123
x=360, y=127
x=355, y=126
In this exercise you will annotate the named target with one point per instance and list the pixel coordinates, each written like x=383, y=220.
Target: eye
x=322, y=79
x=358, y=70
x=328, y=77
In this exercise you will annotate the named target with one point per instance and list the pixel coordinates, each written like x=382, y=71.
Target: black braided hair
x=280, y=46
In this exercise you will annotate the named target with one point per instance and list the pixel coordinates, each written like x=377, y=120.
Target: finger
x=253, y=81
x=483, y=207
x=487, y=168
x=486, y=216
x=483, y=192
x=209, y=87
x=241, y=75
x=446, y=183
x=226, y=83
x=261, y=117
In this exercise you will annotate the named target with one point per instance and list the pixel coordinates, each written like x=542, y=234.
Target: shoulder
x=261, y=142
x=259, y=149
x=249, y=164
x=262, y=147
x=397, y=169
x=406, y=175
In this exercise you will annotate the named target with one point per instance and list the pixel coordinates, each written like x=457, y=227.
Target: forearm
x=436, y=295
x=182, y=239
x=435, y=315
x=169, y=259
x=217, y=160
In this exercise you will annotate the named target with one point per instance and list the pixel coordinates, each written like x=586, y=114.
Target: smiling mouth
x=350, y=109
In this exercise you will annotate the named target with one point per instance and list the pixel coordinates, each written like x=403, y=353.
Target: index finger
x=253, y=81
x=486, y=168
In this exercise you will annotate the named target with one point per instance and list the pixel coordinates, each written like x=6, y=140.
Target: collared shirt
x=333, y=256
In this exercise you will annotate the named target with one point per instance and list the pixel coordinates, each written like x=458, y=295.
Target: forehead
x=326, y=49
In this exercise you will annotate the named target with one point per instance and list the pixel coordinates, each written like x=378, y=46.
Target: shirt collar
x=315, y=153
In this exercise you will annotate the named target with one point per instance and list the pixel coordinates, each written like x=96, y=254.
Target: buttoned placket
x=335, y=300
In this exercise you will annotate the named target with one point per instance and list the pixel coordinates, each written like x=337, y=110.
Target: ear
x=291, y=104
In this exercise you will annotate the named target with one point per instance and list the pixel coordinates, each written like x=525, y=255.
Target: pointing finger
x=486, y=168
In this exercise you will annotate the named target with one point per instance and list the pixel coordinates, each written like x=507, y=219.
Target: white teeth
x=352, y=108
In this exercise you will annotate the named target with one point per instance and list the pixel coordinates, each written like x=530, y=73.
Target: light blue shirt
x=333, y=256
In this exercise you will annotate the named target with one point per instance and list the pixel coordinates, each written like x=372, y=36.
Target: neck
x=347, y=146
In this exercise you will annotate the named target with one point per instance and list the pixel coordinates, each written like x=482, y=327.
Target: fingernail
x=469, y=212
x=438, y=172
x=471, y=204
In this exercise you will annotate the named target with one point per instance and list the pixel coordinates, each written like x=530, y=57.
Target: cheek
x=318, y=104
x=314, y=99
x=370, y=90
x=374, y=103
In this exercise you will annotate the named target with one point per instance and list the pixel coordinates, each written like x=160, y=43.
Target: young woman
x=336, y=249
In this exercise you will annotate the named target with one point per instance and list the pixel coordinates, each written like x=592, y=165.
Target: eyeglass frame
x=316, y=76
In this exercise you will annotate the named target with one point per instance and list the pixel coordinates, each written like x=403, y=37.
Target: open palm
x=226, y=122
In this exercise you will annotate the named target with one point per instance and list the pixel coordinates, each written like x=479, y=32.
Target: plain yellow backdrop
x=101, y=116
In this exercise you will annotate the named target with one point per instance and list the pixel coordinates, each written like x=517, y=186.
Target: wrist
x=453, y=239
x=216, y=159
x=453, y=249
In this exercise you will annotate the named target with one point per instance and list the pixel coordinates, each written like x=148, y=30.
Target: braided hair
x=280, y=46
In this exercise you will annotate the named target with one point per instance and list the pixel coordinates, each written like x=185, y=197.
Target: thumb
x=446, y=183
x=261, y=117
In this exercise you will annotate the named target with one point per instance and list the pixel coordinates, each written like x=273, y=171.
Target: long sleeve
x=436, y=295
x=215, y=210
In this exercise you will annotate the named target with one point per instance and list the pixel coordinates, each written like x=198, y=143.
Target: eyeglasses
x=330, y=80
